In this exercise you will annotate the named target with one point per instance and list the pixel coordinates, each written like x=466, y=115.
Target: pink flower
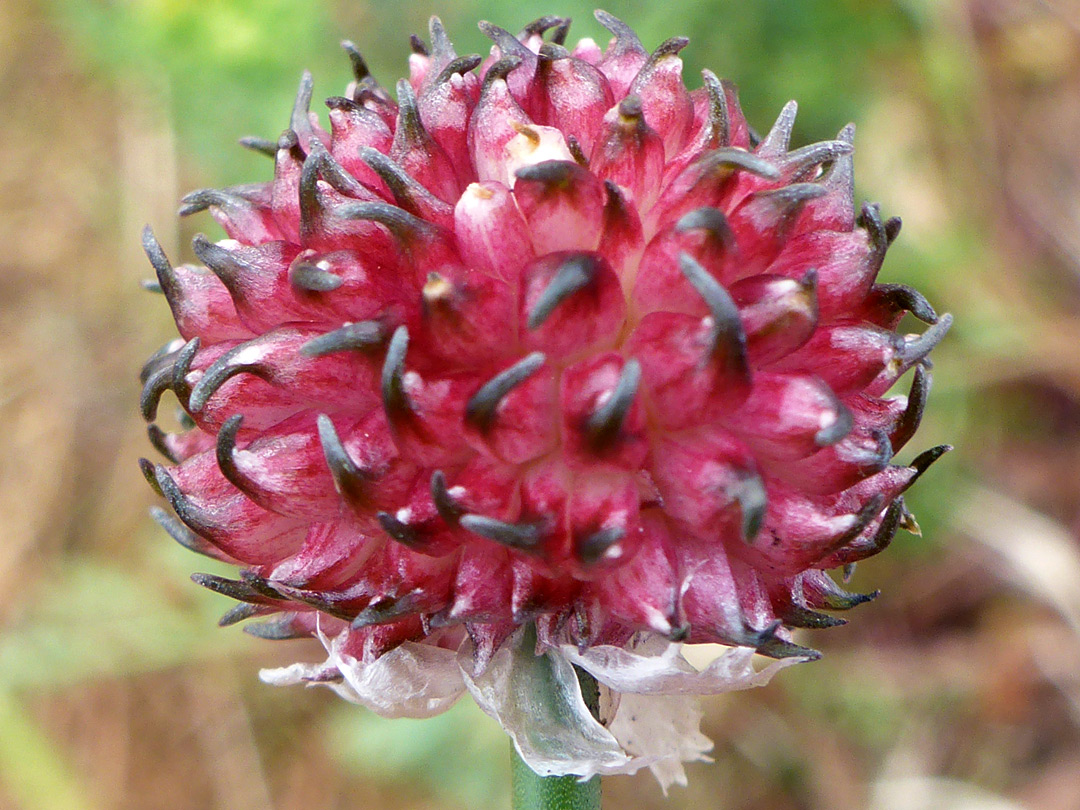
x=549, y=363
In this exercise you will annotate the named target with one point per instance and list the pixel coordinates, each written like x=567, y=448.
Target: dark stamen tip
x=520, y=536
x=481, y=407
x=575, y=273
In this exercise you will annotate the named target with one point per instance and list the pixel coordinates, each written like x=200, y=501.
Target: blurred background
x=958, y=688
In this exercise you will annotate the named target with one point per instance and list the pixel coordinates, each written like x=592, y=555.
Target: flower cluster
x=548, y=363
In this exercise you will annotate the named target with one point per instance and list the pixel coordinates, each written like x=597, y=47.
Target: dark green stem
x=534, y=792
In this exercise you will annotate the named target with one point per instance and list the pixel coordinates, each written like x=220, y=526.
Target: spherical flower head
x=548, y=363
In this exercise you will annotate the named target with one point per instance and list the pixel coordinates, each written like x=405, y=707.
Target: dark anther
x=753, y=499
x=159, y=381
x=408, y=123
x=263, y=146
x=238, y=613
x=870, y=219
x=731, y=158
x=221, y=262
x=311, y=277
x=592, y=548
x=290, y=142
x=362, y=336
x=833, y=597
x=397, y=220
x=183, y=535
x=151, y=285
x=226, y=443
x=157, y=439
x=395, y=400
x=889, y=524
x=719, y=117
x=863, y=518
x=150, y=474
x=441, y=46
x=300, y=121
x=359, y=66
x=903, y=297
x=240, y=591
x=217, y=374
x=386, y=610
x=418, y=46
x=625, y=38
x=575, y=273
x=769, y=644
x=180, y=369
x=555, y=174
x=710, y=220
x=461, y=65
x=815, y=154
x=630, y=107
x=507, y=42
x=580, y=158
x=727, y=334
x=798, y=616
x=789, y=198
x=916, y=349
x=500, y=70
x=481, y=407
x=283, y=629
x=401, y=184
x=402, y=532
x=166, y=355
x=204, y=198
x=540, y=26
x=922, y=462
x=349, y=479
x=521, y=536
x=192, y=516
x=445, y=505
x=605, y=423
x=166, y=276
x=840, y=427
x=892, y=228
x=912, y=415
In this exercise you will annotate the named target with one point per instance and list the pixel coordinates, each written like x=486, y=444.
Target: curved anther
x=386, y=610
x=418, y=46
x=766, y=642
x=729, y=157
x=222, y=262
x=157, y=383
x=356, y=60
x=916, y=348
x=508, y=44
x=240, y=591
x=922, y=462
x=799, y=616
x=903, y=297
x=192, y=516
x=500, y=70
x=815, y=154
x=402, y=532
x=753, y=499
x=791, y=196
x=166, y=355
x=863, y=518
x=605, y=423
x=892, y=228
x=166, y=276
x=226, y=444
x=299, y=122
x=397, y=220
x=263, y=146
x=409, y=123
x=719, y=117
x=149, y=473
x=395, y=399
x=217, y=374
x=282, y=629
x=459, y=66
x=238, y=613
x=441, y=46
x=360, y=336
x=445, y=504
x=839, y=428
x=912, y=415
x=625, y=38
x=727, y=333
x=183, y=535
x=712, y=221
x=311, y=277
x=204, y=198
x=870, y=219
x=180, y=369
x=593, y=547
x=349, y=480
x=405, y=189
x=481, y=407
x=520, y=536
x=544, y=24
x=552, y=173
x=157, y=438
x=575, y=273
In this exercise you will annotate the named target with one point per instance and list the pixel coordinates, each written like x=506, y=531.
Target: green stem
x=534, y=792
